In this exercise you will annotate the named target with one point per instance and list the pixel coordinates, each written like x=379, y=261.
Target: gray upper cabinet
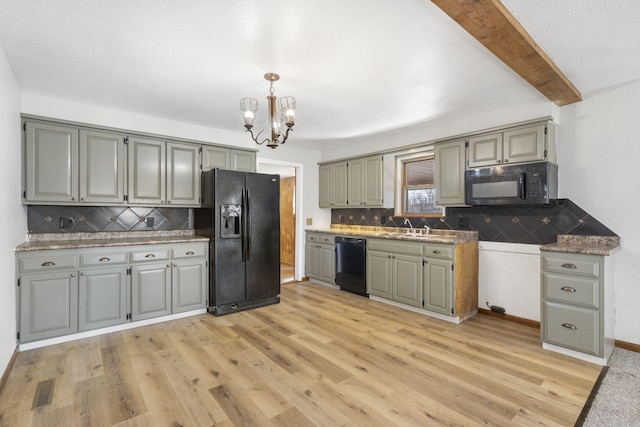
x=449, y=167
x=525, y=144
x=214, y=157
x=147, y=171
x=365, y=182
x=51, y=163
x=183, y=174
x=333, y=185
x=241, y=160
x=102, y=167
x=356, y=182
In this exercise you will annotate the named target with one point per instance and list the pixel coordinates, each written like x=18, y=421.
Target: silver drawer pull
x=437, y=252
x=568, y=289
x=567, y=265
x=47, y=264
x=149, y=256
x=569, y=326
x=104, y=259
x=190, y=253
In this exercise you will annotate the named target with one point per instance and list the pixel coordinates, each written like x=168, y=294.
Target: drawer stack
x=572, y=294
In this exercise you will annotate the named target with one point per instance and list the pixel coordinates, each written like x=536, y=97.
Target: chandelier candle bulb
x=287, y=113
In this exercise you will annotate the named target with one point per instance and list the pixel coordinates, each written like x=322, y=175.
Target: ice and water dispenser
x=230, y=218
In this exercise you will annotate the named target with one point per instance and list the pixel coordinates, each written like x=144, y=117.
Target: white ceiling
x=356, y=67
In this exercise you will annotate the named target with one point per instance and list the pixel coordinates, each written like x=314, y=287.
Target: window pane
x=419, y=172
x=421, y=201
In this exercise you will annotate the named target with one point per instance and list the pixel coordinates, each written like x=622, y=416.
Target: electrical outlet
x=150, y=221
x=67, y=222
x=383, y=220
x=309, y=221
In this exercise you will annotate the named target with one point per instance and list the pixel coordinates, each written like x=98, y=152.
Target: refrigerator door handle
x=247, y=228
x=243, y=228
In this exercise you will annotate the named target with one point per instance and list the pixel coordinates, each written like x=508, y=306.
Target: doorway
x=288, y=223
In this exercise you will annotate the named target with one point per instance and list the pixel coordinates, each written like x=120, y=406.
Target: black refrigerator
x=241, y=215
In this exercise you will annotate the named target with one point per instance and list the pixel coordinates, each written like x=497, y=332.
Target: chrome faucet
x=407, y=222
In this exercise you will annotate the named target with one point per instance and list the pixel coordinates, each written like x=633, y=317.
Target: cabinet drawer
x=571, y=289
x=102, y=259
x=48, y=262
x=572, y=327
x=327, y=239
x=152, y=254
x=189, y=251
x=569, y=265
x=439, y=251
x=313, y=238
x=395, y=247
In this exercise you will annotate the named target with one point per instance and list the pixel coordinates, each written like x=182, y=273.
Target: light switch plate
x=309, y=221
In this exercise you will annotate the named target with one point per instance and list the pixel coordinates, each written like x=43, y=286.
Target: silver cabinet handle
x=150, y=256
x=568, y=289
x=190, y=253
x=569, y=326
x=104, y=259
x=175, y=265
x=73, y=274
x=437, y=252
x=82, y=198
x=47, y=264
x=568, y=265
x=73, y=198
x=83, y=274
x=168, y=201
x=506, y=160
x=168, y=265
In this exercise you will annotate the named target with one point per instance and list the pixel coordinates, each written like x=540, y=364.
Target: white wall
x=13, y=225
x=598, y=152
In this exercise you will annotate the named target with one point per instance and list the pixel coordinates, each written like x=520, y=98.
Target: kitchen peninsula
x=432, y=272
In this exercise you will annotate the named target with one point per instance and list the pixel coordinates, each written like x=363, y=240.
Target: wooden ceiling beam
x=491, y=23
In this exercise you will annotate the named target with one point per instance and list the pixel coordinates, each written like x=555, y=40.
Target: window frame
x=400, y=187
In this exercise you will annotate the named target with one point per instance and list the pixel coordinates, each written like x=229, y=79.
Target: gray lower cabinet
x=394, y=270
x=61, y=292
x=102, y=298
x=150, y=290
x=320, y=257
x=576, y=305
x=48, y=304
x=438, y=286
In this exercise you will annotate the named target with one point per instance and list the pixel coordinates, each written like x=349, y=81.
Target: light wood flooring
x=321, y=357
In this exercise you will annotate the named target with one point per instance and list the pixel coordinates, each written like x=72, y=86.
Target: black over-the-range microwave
x=526, y=184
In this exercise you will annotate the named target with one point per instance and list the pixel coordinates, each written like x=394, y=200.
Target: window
x=417, y=186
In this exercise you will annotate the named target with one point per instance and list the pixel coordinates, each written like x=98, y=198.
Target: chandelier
x=287, y=113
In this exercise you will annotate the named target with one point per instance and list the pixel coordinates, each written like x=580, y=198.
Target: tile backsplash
x=89, y=219
x=514, y=224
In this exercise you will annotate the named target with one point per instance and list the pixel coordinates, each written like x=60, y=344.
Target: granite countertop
x=53, y=241
x=394, y=233
x=588, y=245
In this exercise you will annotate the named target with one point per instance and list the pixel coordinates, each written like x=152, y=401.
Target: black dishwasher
x=351, y=264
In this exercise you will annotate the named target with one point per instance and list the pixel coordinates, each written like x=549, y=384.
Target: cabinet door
x=326, y=183
x=102, y=165
x=449, y=170
x=51, y=169
x=372, y=181
x=312, y=261
x=146, y=171
x=214, y=157
x=339, y=187
x=189, y=285
x=244, y=161
x=438, y=290
x=485, y=150
x=102, y=298
x=355, y=179
x=327, y=263
x=379, y=274
x=524, y=145
x=183, y=174
x=407, y=279
x=48, y=305
x=150, y=290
